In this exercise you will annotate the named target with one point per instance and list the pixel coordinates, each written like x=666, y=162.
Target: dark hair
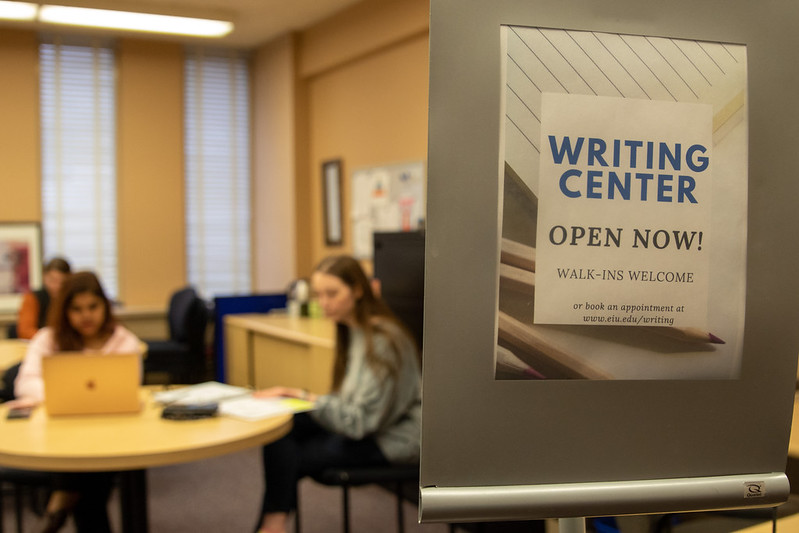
x=66, y=337
x=371, y=313
x=59, y=264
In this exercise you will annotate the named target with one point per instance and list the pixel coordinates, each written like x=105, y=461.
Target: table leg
x=133, y=501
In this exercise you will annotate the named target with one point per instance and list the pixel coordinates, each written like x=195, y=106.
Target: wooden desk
x=12, y=351
x=128, y=443
x=263, y=350
x=793, y=443
x=785, y=524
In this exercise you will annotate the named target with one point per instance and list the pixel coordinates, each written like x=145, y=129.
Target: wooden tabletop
x=126, y=442
x=11, y=351
x=314, y=331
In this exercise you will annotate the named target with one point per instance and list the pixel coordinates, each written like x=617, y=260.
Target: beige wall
x=150, y=207
x=19, y=128
x=149, y=158
x=366, y=75
x=274, y=164
x=352, y=87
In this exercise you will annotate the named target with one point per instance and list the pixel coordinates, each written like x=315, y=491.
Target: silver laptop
x=79, y=384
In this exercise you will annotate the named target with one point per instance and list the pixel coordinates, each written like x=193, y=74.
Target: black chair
x=183, y=356
x=7, y=383
x=394, y=475
x=22, y=482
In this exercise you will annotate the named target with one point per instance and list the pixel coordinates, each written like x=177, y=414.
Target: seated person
x=371, y=417
x=35, y=304
x=81, y=320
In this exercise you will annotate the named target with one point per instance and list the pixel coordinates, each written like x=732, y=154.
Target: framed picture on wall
x=331, y=193
x=20, y=262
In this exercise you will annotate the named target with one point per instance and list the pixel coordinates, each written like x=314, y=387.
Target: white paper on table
x=250, y=408
x=208, y=392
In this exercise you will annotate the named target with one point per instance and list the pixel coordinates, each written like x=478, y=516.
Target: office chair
x=36, y=484
x=345, y=477
x=7, y=383
x=182, y=357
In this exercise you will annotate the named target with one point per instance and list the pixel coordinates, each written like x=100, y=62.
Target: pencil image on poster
x=622, y=246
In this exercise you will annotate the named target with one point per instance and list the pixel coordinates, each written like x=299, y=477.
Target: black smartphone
x=189, y=412
x=18, y=413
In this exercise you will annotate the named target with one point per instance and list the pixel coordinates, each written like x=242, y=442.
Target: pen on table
x=520, y=274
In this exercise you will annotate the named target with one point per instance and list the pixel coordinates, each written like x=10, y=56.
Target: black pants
x=91, y=511
x=307, y=450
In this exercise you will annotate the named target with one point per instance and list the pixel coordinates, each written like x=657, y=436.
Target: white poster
x=625, y=194
x=623, y=208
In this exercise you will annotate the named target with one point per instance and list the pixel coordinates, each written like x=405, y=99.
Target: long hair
x=371, y=314
x=66, y=337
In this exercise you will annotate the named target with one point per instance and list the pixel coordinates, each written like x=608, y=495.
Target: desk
x=127, y=443
x=12, y=351
x=784, y=524
x=264, y=350
x=793, y=443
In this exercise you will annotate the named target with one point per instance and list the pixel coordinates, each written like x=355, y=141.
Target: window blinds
x=78, y=156
x=217, y=146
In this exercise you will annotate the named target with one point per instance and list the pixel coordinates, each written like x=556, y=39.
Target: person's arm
x=28, y=317
x=29, y=386
x=286, y=392
x=363, y=409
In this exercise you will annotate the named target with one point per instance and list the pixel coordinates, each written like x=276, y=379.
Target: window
x=217, y=149
x=78, y=156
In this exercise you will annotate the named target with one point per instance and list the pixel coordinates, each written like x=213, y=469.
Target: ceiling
x=256, y=21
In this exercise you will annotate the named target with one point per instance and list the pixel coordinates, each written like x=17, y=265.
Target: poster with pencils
x=623, y=207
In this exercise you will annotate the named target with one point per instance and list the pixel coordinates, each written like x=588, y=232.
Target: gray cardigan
x=378, y=404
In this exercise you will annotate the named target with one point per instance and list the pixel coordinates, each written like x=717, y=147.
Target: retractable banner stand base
x=487, y=504
x=610, y=258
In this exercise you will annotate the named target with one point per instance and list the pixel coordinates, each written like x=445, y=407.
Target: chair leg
x=400, y=514
x=346, y=507
x=18, y=506
x=296, y=516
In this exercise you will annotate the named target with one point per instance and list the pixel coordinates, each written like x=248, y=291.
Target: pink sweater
x=29, y=384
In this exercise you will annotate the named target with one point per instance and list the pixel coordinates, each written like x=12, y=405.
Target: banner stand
x=608, y=498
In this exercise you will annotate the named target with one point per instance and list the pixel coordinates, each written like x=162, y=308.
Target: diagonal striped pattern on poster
x=603, y=64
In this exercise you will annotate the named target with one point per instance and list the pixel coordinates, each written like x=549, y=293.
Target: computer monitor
x=399, y=265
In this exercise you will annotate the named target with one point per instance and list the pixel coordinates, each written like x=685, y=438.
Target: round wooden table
x=127, y=443
x=12, y=351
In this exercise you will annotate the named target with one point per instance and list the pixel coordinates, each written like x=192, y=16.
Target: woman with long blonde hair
x=372, y=414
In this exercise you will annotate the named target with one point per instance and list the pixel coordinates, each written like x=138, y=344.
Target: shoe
x=54, y=520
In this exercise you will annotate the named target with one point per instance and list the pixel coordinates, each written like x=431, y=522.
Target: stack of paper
x=233, y=401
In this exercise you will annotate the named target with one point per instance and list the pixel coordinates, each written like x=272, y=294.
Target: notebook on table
x=78, y=384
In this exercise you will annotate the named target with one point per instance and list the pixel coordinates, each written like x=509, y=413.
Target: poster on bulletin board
x=386, y=198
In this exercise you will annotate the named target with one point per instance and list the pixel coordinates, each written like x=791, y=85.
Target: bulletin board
x=386, y=198
x=618, y=417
